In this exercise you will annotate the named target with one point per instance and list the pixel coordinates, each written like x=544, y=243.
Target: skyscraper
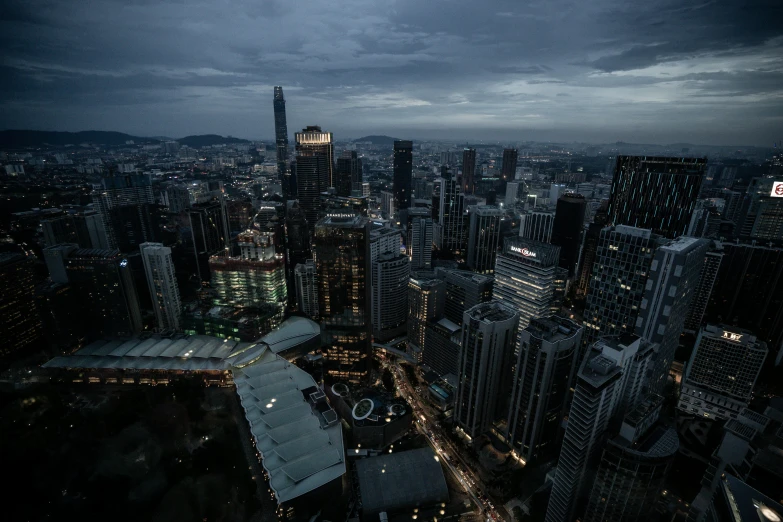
x=509, y=168
x=489, y=333
x=390, y=275
x=120, y=190
x=450, y=236
x=307, y=289
x=420, y=245
x=297, y=244
x=537, y=225
x=468, y=171
x=349, y=174
x=592, y=237
x=162, y=283
x=464, y=290
x=655, y=193
x=83, y=228
x=342, y=261
x=312, y=141
x=568, y=228
x=512, y=190
x=403, y=173
x=622, y=264
x=525, y=273
x=703, y=290
x=209, y=232
x=671, y=284
x=281, y=142
x=20, y=325
x=483, y=237
x=545, y=369
x=721, y=372
x=312, y=178
x=426, y=302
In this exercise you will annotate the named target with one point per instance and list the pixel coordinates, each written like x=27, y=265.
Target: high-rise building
x=483, y=238
x=162, y=283
x=426, y=302
x=176, y=198
x=512, y=191
x=348, y=174
x=537, y=225
x=622, y=264
x=307, y=289
x=390, y=272
x=721, y=372
x=120, y=190
x=589, y=248
x=132, y=225
x=20, y=325
x=312, y=141
x=767, y=219
x=83, y=228
x=442, y=341
x=525, y=273
x=403, y=173
x=544, y=372
x=383, y=240
x=56, y=258
x=567, y=229
x=419, y=244
x=703, y=290
x=281, y=142
x=209, y=232
x=609, y=382
x=312, y=179
x=106, y=291
x=509, y=168
x=297, y=244
x=450, y=236
x=671, y=284
x=464, y=290
x=468, y=171
x=633, y=467
x=342, y=261
x=388, y=207
x=489, y=333
x=655, y=193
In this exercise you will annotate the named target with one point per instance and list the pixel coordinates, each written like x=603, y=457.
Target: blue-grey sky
x=658, y=71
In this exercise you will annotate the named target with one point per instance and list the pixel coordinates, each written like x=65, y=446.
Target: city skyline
x=659, y=73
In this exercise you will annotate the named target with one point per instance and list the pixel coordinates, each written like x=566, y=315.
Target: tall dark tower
x=468, y=171
x=281, y=140
x=567, y=229
x=312, y=141
x=403, y=173
x=348, y=175
x=655, y=193
x=509, y=168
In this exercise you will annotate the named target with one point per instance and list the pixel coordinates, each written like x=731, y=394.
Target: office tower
x=483, y=238
x=509, y=168
x=748, y=291
x=451, y=220
x=671, y=283
x=723, y=368
x=209, y=232
x=468, y=171
x=421, y=244
x=281, y=142
x=176, y=198
x=567, y=229
x=426, y=302
x=512, y=190
x=524, y=277
x=20, y=325
x=390, y=274
x=253, y=279
x=342, y=261
x=489, y=333
x=703, y=290
x=306, y=289
x=120, y=190
x=442, y=342
x=403, y=173
x=382, y=240
x=655, y=193
x=422, y=188
x=545, y=369
x=592, y=237
x=162, y=283
x=537, y=225
x=132, y=225
x=56, y=258
x=83, y=228
x=312, y=178
x=387, y=203
x=297, y=244
x=331, y=203
x=464, y=290
x=767, y=219
x=622, y=263
x=240, y=215
x=312, y=141
x=349, y=173
x=633, y=467
x=726, y=178
x=609, y=382
x=104, y=283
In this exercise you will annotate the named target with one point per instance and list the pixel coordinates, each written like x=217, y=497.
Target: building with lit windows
x=426, y=301
x=420, y=234
x=312, y=141
x=450, y=234
x=403, y=174
x=464, y=290
x=483, y=237
x=307, y=289
x=390, y=274
x=162, y=283
x=209, y=232
x=509, y=168
x=19, y=322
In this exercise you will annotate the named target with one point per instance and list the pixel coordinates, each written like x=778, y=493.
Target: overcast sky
x=658, y=71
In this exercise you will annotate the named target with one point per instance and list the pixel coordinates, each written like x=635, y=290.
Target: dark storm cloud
x=659, y=70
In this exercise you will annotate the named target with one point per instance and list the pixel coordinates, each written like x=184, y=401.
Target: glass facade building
x=403, y=174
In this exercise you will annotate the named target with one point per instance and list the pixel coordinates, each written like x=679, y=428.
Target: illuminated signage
x=124, y=263
x=732, y=336
x=777, y=189
x=524, y=251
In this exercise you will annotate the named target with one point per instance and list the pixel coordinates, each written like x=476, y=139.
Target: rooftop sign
x=524, y=251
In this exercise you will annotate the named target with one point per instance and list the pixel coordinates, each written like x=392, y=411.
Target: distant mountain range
x=20, y=139
x=378, y=140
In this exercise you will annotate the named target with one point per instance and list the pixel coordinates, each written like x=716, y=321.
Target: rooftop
x=552, y=329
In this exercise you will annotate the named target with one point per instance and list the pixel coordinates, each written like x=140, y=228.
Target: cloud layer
x=604, y=70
